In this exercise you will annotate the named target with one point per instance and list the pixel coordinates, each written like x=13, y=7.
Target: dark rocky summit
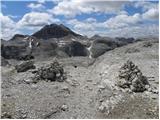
x=54, y=31
x=131, y=77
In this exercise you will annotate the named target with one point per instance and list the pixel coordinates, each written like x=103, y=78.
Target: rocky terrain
x=70, y=76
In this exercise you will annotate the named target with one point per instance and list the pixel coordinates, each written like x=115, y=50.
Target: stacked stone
x=52, y=72
x=131, y=77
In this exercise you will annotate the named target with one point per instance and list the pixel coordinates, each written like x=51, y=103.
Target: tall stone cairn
x=130, y=76
x=53, y=72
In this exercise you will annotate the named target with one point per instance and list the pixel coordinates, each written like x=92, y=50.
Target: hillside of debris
x=106, y=83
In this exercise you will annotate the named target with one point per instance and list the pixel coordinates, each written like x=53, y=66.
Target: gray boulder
x=25, y=66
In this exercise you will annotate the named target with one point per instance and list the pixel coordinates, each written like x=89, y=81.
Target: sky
x=87, y=17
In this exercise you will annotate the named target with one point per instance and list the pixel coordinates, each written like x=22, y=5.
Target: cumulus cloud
x=120, y=24
x=89, y=26
x=36, y=6
x=80, y=25
x=146, y=5
x=151, y=14
x=36, y=19
x=71, y=8
x=30, y=21
x=8, y=28
x=41, y=1
x=150, y=9
x=134, y=31
x=122, y=20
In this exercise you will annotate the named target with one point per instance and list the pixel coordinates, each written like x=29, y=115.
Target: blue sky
x=87, y=17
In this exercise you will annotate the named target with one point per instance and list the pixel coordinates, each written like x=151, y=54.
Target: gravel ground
x=89, y=90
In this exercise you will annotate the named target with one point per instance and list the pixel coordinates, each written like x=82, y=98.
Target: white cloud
x=71, y=8
x=151, y=14
x=122, y=20
x=106, y=6
x=30, y=21
x=41, y=1
x=13, y=16
x=80, y=25
x=122, y=25
x=134, y=31
x=8, y=27
x=91, y=20
x=150, y=9
x=146, y=5
x=89, y=26
x=36, y=19
x=36, y=6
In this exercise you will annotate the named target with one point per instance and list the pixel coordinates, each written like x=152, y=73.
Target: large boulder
x=24, y=66
x=131, y=77
x=52, y=72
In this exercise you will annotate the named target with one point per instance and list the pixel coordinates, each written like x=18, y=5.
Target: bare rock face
x=131, y=77
x=75, y=48
x=52, y=72
x=99, y=47
x=16, y=50
x=25, y=66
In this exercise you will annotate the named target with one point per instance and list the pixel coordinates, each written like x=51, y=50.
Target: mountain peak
x=54, y=31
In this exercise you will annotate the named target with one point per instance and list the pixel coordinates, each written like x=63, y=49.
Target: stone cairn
x=131, y=77
x=52, y=72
